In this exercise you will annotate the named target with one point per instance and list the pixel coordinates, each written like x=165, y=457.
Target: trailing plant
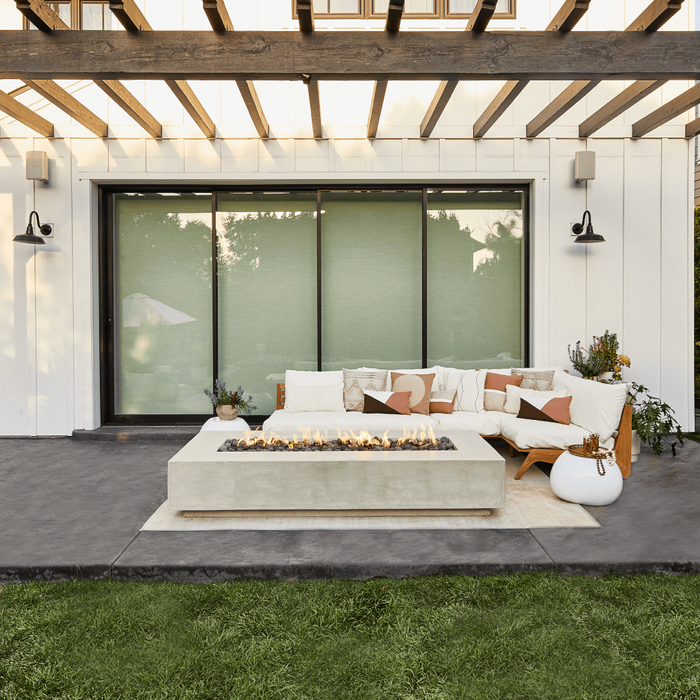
x=222, y=397
x=653, y=420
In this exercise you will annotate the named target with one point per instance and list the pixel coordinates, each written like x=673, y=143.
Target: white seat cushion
x=529, y=434
x=285, y=423
x=485, y=423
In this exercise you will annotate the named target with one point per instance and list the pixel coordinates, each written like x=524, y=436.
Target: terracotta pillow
x=495, y=390
x=442, y=401
x=387, y=402
x=549, y=410
x=419, y=385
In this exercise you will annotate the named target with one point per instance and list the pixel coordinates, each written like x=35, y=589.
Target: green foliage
x=653, y=420
x=586, y=362
x=222, y=397
x=601, y=356
x=540, y=636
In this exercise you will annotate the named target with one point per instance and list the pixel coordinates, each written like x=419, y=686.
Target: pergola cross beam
x=41, y=15
x=393, y=16
x=218, y=16
x=652, y=18
x=133, y=20
x=564, y=21
x=670, y=110
x=15, y=109
x=478, y=22
x=305, y=13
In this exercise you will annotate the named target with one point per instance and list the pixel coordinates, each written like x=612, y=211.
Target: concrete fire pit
x=205, y=482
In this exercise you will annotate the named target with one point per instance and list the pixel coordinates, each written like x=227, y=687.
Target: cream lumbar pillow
x=313, y=391
x=513, y=394
x=357, y=382
x=469, y=385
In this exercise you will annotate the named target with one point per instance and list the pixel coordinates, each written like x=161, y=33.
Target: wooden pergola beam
x=315, y=104
x=218, y=16
x=67, y=103
x=666, y=112
x=394, y=15
x=41, y=15
x=692, y=128
x=113, y=88
x=655, y=15
x=129, y=16
x=352, y=55
x=22, y=113
x=132, y=19
x=564, y=21
x=479, y=20
x=375, y=111
x=619, y=104
x=652, y=18
x=305, y=13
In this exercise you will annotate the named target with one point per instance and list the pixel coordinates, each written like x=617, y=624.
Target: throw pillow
x=469, y=385
x=419, y=385
x=395, y=402
x=426, y=370
x=514, y=394
x=357, y=381
x=495, y=390
x=536, y=379
x=442, y=401
x=299, y=394
x=549, y=410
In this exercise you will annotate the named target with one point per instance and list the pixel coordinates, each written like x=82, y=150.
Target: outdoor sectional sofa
x=594, y=408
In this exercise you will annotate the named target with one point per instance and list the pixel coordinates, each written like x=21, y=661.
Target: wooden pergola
x=638, y=53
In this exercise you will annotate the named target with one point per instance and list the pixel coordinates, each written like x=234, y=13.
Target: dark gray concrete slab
x=207, y=556
x=68, y=508
x=653, y=526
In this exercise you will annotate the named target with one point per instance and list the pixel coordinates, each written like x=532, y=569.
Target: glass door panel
x=163, y=310
x=267, y=290
x=371, y=279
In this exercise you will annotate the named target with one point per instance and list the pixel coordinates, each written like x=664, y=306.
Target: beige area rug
x=530, y=503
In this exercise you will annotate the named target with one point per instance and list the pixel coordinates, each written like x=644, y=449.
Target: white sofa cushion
x=484, y=422
x=285, y=423
x=529, y=434
x=469, y=384
x=595, y=407
x=313, y=391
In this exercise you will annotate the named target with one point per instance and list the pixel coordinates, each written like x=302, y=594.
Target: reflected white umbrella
x=140, y=310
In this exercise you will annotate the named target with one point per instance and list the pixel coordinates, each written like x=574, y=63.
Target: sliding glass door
x=241, y=286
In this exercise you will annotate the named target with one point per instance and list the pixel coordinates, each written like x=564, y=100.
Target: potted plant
x=601, y=361
x=653, y=421
x=229, y=403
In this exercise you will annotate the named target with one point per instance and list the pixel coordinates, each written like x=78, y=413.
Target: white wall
x=639, y=283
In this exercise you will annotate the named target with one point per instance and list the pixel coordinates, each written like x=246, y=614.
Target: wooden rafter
x=22, y=113
x=221, y=22
x=651, y=19
x=132, y=19
x=619, y=104
x=305, y=13
x=41, y=15
x=394, y=15
x=568, y=15
x=66, y=102
x=666, y=112
x=351, y=55
x=692, y=128
x=480, y=17
x=218, y=16
x=38, y=11
x=376, y=108
x=315, y=103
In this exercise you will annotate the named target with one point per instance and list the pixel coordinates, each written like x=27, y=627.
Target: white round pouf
x=216, y=423
x=576, y=479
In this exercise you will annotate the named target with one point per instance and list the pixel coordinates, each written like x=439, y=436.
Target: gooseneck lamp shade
x=589, y=236
x=29, y=236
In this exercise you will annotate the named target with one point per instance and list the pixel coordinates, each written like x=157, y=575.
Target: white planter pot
x=636, y=446
x=577, y=480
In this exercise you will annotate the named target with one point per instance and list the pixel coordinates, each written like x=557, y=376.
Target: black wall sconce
x=589, y=236
x=29, y=237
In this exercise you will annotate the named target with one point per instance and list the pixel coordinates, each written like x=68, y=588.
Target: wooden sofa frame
x=622, y=448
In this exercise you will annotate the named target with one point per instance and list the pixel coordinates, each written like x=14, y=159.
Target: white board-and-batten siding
x=639, y=283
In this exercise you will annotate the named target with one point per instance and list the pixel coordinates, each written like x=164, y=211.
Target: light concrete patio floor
x=72, y=508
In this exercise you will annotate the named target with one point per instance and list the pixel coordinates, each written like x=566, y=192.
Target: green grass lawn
x=527, y=636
